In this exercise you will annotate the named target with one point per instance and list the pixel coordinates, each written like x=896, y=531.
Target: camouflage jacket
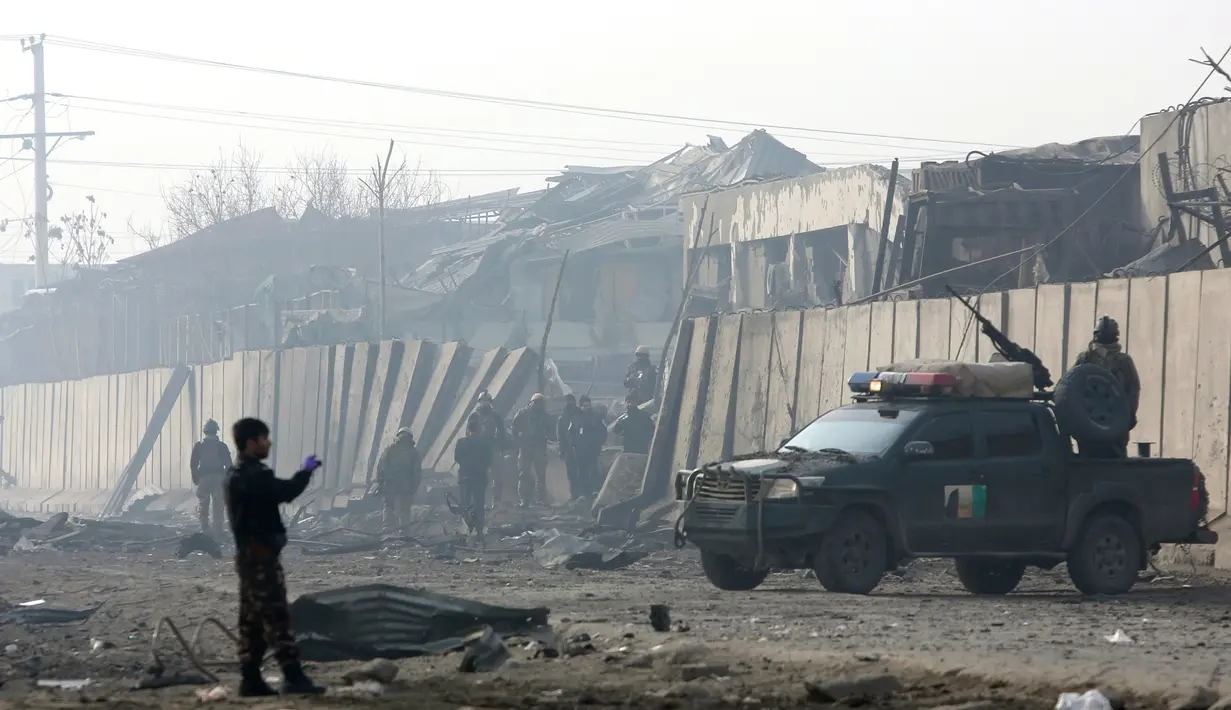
x=1120, y=364
x=399, y=465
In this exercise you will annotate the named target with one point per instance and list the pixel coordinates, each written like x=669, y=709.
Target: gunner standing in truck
x=1105, y=350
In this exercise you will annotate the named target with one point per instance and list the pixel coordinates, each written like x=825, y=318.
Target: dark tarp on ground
x=383, y=621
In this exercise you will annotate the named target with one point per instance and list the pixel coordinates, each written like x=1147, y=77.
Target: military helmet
x=537, y=397
x=404, y=431
x=210, y=428
x=1106, y=330
x=642, y=350
x=485, y=396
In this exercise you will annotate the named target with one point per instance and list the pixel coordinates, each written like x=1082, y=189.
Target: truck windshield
x=859, y=431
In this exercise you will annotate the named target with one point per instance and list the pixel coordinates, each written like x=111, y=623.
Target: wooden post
x=551, y=313
x=885, y=222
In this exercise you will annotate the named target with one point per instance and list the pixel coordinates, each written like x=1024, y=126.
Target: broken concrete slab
x=448, y=374
x=438, y=456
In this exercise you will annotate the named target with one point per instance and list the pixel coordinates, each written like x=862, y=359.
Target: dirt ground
x=945, y=646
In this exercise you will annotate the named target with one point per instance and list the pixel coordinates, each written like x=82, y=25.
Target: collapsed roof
x=613, y=207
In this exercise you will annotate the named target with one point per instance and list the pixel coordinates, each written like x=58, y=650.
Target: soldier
x=642, y=377
x=210, y=461
x=474, y=454
x=567, y=451
x=1105, y=350
x=636, y=428
x=588, y=435
x=253, y=494
x=492, y=426
x=398, y=472
x=531, y=429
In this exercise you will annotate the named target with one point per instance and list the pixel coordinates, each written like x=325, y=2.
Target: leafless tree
x=325, y=181
x=231, y=187
x=80, y=240
x=153, y=237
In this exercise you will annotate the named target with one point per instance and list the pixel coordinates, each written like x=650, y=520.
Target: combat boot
x=296, y=682
x=252, y=685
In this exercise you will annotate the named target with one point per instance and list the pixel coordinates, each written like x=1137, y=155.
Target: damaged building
x=621, y=228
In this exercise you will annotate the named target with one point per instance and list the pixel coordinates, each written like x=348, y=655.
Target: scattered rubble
x=862, y=688
x=380, y=670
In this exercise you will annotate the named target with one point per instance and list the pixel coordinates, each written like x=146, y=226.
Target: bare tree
x=232, y=187
x=80, y=240
x=413, y=187
x=324, y=181
x=153, y=237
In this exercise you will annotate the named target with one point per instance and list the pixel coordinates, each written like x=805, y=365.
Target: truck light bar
x=902, y=384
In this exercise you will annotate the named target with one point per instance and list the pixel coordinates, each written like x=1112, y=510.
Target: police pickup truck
x=909, y=470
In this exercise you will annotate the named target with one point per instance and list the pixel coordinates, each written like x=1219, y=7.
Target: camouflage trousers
x=532, y=475
x=210, y=505
x=264, y=619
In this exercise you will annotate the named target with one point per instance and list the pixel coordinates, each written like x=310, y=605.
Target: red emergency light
x=913, y=384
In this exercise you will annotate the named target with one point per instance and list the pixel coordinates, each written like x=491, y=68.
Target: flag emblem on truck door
x=965, y=502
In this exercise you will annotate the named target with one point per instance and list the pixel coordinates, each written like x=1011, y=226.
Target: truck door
x=1025, y=484
x=941, y=500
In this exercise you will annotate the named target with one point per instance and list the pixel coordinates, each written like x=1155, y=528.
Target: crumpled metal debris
x=485, y=652
x=573, y=552
x=43, y=614
x=199, y=542
x=384, y=621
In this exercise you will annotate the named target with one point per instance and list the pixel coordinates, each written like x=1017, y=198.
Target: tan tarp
x=986, y=379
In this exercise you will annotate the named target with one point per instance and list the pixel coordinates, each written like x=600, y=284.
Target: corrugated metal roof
x=613, y=231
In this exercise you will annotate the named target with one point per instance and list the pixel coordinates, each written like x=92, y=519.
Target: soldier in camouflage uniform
x=1105, y=350
x=531, y=430
x=253, y=494
x=209, y=463
x=398, y=473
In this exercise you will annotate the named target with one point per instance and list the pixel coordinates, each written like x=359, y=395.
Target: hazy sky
x=973, y=73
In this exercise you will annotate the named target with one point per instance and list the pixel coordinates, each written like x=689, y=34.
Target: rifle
x=1009, y=349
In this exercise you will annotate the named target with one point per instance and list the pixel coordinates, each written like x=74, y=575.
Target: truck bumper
x=736, y=529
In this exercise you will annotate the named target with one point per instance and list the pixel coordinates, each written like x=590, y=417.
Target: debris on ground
x=1119, y=637
x=1089, y=700
x=42, y=614
x=381, y=670
x=366, y=689
x=660, y=617
x=199, y=542
x=563, y=550
x=154, y=681
x=73, y=684
x=485, y=652
x=861, y=688
x=1200, y=698
x=384, y=621
x=218, y=693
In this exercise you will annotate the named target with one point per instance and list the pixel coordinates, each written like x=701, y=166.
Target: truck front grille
x=725, y=487
x=714, y=514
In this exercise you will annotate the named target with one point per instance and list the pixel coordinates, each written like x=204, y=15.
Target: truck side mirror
x=916, y=450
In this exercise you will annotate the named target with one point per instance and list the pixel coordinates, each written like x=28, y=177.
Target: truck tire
x=854, y=554
x=1090, y=405
x=989, y=577
x=728, y=575
x=1106, y=557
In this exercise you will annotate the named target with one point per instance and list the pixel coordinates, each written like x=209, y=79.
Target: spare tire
x=1091, y=405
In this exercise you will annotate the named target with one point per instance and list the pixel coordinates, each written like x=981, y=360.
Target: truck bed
x=1162, y=491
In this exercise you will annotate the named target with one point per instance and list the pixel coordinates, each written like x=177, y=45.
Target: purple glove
x=311, y=463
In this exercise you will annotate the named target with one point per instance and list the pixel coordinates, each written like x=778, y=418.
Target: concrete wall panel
x=696, y=387
x=252, y=383
x=782, y=409
x=1146, y=342
x=448, y=376
x=362, y=371
x=752, y=382
x=1021, y=317
x=412, y=375
x=285, y=423
x=880, y=342
x=343, y=373
x=1051, y=321
x=905, y=330
x=812, y=351
x=1211, y=409
x=372, y=420
x=1184, y=294
x=964, y=337
x=1112, y=299
x=440, y=456
x=934, y=320
x=1083, y=302
x=716, y=441
x=834, y=375
x=858, y=334
x=993, y=306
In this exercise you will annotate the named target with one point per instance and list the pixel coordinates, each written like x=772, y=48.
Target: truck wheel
x=1106, y=557
x=1090, y=405
x=854, y=554
x=728, y=575
x=989, y=576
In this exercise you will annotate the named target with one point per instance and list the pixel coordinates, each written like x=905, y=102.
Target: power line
x=622, y=114
x=411, y=129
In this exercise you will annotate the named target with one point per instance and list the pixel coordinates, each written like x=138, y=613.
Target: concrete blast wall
x=747, y=380
x=65, y=446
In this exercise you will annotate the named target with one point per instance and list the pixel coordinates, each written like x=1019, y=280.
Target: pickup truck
x=908, y=471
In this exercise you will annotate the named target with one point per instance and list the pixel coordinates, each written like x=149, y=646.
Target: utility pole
x=42, y=191
x=378, y=185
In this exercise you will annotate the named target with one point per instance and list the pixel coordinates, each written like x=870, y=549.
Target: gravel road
x=945, y=646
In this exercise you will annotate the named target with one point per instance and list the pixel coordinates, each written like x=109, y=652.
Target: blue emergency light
x=861, y=382
x=903, y=384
